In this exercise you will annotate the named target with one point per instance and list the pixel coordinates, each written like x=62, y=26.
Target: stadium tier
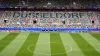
x=50, y=21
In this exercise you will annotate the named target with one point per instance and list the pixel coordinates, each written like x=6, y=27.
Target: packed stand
x=8, y=20
x=51, y=4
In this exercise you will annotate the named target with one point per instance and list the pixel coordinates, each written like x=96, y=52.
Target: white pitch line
x=3, y=34
x=92, y=40
x=70, y=49
x=43, y=48
x=15, y=45
x=67, y=40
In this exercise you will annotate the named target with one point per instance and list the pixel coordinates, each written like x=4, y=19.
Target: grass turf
x=5, y=41
x=96, y=35
x=56, y=45
x=32, y=39
x=86, y=48
x=57, y=48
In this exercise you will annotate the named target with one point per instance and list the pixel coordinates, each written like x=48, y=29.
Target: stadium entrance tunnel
x=68, y=49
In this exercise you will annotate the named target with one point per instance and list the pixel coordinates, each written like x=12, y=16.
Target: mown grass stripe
x=96, y=35
x=70, y=45
x=6, y=40
x=86, y=48
x=43, y=45
x=32, y=39
x=91, y=40
x=57, y=47
x=15, y=45
x=3, y=34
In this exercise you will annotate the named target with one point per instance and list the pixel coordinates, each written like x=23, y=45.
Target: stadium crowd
x=51, y=4
x=89, y=21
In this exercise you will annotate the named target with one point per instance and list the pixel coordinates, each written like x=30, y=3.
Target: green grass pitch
x=49, y=44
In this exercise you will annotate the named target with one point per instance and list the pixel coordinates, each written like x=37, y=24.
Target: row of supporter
x=90, y=21
x=51, y=4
